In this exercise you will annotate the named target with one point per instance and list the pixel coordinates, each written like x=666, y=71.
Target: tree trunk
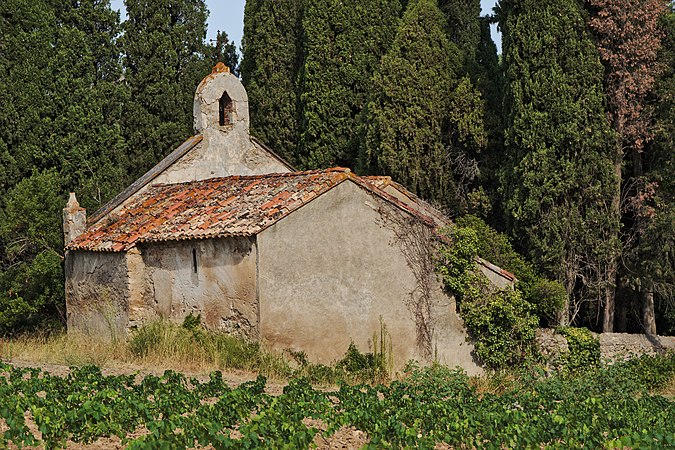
x=621, y=311
x=648, y=315
x=613, y=260
x=610, y=294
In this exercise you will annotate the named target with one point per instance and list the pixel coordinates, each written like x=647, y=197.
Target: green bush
x=500, y=321
x=584, y=349
x=546, y=296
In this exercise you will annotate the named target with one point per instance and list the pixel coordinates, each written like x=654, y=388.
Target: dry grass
x=158, y=345
x=66, y=349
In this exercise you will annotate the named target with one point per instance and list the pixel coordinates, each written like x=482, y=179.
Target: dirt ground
x=344, y=438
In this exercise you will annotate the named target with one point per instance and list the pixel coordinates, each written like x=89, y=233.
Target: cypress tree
x=223, y=50
x=408, y=113
x=558, y=178
x=272, y=58
x=464, y=28
x=59, y=133
x=164, y=59
x=343, y=42
x=651, y=262
x=628, y=40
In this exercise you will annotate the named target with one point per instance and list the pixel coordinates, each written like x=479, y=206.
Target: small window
x=194, y=260
x=225, y=109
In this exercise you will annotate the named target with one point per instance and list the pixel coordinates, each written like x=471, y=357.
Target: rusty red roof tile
x=218, y=207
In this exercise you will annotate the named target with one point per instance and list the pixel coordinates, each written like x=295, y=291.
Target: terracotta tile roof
x=408, y=198
x=217, y=207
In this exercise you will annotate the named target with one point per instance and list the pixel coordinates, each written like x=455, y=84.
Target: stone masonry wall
x=613, y=346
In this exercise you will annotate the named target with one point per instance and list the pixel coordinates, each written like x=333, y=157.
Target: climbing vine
x=418, y=243
x=500, y=321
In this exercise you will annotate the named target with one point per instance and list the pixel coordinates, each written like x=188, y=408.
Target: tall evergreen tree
x=408, y=114
x=650, y=261
x=558, y=178
x=272, y=59
x=490, y=83
x=464, y=29
x=165, y=58
x=628, y=41
x=59, y=133
x=343, y=43
x=223, y=50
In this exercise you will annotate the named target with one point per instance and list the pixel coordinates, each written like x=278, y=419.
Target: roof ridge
x=262, y=176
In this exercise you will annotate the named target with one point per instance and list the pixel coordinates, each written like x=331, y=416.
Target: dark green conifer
x=557, y=178
x=408, y=116
x=164, y=58
x=269, y=70
x=59, y=111
x=343, y=42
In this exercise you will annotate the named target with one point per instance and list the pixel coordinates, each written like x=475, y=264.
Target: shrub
x=500, y=321
x=546, y=296
x=584, y=349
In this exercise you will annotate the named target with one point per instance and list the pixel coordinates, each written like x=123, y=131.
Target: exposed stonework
x=74, y=219
x=97, y=293
x=616, y=346
x=551, y=344
x=207, y=104
x=613, y=346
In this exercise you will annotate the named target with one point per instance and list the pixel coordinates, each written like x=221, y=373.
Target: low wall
x=613, y=346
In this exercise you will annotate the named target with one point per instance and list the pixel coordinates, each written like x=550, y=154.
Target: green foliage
x=60, y=108
x=272, y=60
x=584, y=349
x=343, y=41
x=408, y=111
x=610, y=407
x=424, y=127
x=31, y=281
x=500, y=321
x=557, y=182
x=164, y=56
x=546, y=296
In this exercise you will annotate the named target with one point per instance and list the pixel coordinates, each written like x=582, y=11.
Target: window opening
x=224, y=109
x=194, y=260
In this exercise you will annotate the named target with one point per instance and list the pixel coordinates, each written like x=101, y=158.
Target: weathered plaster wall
x=96, y=293
x=222, y=153
x=222, y=290
x=330, y=270
x=493, y=274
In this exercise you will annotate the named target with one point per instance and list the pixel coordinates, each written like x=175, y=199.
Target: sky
x=228, y=16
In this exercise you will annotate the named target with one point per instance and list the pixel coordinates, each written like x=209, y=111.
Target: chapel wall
x=97, y=293
x=212, y=278
x=331, y=270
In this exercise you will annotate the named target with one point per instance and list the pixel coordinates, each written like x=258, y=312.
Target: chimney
x=74, y=220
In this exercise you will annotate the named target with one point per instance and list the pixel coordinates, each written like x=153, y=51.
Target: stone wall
x=213, y=278
x=613, y=346
x=96, y=293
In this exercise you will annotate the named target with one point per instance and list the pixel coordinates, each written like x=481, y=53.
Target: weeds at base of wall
x=190, y=347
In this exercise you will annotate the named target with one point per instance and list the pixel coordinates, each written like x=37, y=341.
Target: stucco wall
x=330, y=270
x=96, y=293
x=222, y=290
x=222, y=153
